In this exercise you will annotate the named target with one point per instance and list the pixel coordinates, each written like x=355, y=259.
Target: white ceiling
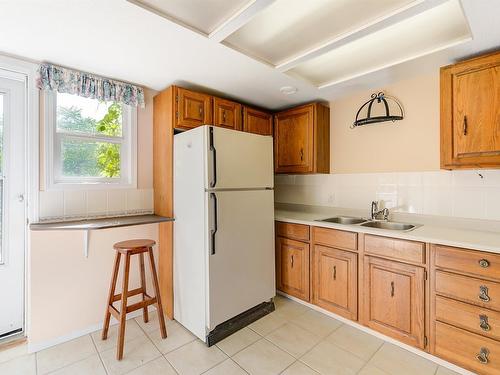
x=118, y=39
x=195, y=13
x=288, y=28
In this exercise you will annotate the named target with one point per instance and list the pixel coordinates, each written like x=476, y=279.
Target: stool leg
x=159, y=307
x=123, y=310
x=112, y=288
x=145, y=315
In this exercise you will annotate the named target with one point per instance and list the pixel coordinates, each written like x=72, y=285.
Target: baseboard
x=388, y=339
x=36, y=347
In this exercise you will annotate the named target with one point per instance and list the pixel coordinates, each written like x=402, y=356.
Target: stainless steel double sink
x=388, y=225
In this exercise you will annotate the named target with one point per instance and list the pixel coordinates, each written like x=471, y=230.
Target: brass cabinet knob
x=484, y=263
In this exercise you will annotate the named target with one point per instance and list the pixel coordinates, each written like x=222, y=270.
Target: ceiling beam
x=239, y=19
x=397, y=16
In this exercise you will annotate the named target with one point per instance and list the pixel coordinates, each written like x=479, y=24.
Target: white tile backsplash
x=73, y=204
x=465, y=194
x=117, y=201
x=97, y=202
x=51, y=203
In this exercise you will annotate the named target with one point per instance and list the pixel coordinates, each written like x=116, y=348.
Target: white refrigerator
x=224, y=227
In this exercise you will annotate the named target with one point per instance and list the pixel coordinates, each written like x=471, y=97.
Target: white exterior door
x=241, y=253
x=242, y=160
x=12, y=206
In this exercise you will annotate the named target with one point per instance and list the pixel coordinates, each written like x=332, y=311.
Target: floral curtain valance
x=52, y=77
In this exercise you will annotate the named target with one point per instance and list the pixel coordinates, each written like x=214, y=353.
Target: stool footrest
x=139, y=305
x=130, y=293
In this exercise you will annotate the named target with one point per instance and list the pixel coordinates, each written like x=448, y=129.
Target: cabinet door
x=258, y=122
x=292, y=267
x=334, y=281
x=394, y=300
x=293, y=140
x=476, y=112
x=192, y=109
x=227, y=114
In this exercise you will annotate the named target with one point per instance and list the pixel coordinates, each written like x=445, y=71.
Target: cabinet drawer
x=294, y=231
x=472, y=318
x=408, y=251
x=467, y=261
x=479, y=292
x=464, y=349
x=335, y=238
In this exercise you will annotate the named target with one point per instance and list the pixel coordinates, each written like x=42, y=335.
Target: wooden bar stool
x=129, y=248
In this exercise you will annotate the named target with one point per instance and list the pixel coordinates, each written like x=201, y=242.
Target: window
x=89, y=142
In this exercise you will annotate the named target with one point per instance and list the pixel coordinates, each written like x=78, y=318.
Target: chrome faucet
x=376, y=213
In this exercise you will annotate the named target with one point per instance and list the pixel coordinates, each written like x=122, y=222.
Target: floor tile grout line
x=287, y=367
x=98, y=353
x=354, y=354
x=171, y=365
x=69, y=364
x=320, y=341
x=246, y=346
x=145, y=334
x=371, y=357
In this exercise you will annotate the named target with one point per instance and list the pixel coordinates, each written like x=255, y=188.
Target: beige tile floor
x=293, y=340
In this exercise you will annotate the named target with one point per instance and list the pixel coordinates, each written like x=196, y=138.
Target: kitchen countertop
x=101, y=223
x=434, y=231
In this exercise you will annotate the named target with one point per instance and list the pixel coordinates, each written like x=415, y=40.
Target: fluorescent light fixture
x=288, y=28
x=433, y=30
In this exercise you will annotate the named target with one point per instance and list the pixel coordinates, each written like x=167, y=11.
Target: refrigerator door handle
x=214, y=158
x=213, y=231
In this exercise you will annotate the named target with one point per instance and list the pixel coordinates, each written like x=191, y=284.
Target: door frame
x=32, y=132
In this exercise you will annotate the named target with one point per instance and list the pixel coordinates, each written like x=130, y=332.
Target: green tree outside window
x=91, y=158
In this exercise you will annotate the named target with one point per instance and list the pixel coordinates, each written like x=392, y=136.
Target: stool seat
x=132, y=245
x=128, y=249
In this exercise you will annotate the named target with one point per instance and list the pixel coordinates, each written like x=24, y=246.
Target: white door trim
x=29, y=70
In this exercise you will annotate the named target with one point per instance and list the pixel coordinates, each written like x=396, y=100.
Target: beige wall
x=145, y=142
x=67, y=292
x=408, y=145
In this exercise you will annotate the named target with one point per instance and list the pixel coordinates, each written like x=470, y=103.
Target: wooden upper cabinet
x=394, y=300
x=335, y=281
x=258, y=122
x=470, y=113
x=292, y=267
x=192, y=109
x=227, y=114
x=302, y=140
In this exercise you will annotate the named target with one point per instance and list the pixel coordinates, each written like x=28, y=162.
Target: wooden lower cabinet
x=394, y=300
x=335, y=281
x=292, y=267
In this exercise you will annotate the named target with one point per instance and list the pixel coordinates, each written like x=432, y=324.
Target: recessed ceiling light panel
x=288, y=28
x=430, y=31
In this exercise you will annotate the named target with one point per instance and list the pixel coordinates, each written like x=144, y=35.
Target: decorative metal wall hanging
x=379, y=98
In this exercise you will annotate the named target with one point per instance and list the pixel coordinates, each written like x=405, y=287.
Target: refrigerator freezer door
x=241, y=255
x=238, y=160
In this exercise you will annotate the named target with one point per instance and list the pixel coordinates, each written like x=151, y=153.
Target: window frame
x=53, y=161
